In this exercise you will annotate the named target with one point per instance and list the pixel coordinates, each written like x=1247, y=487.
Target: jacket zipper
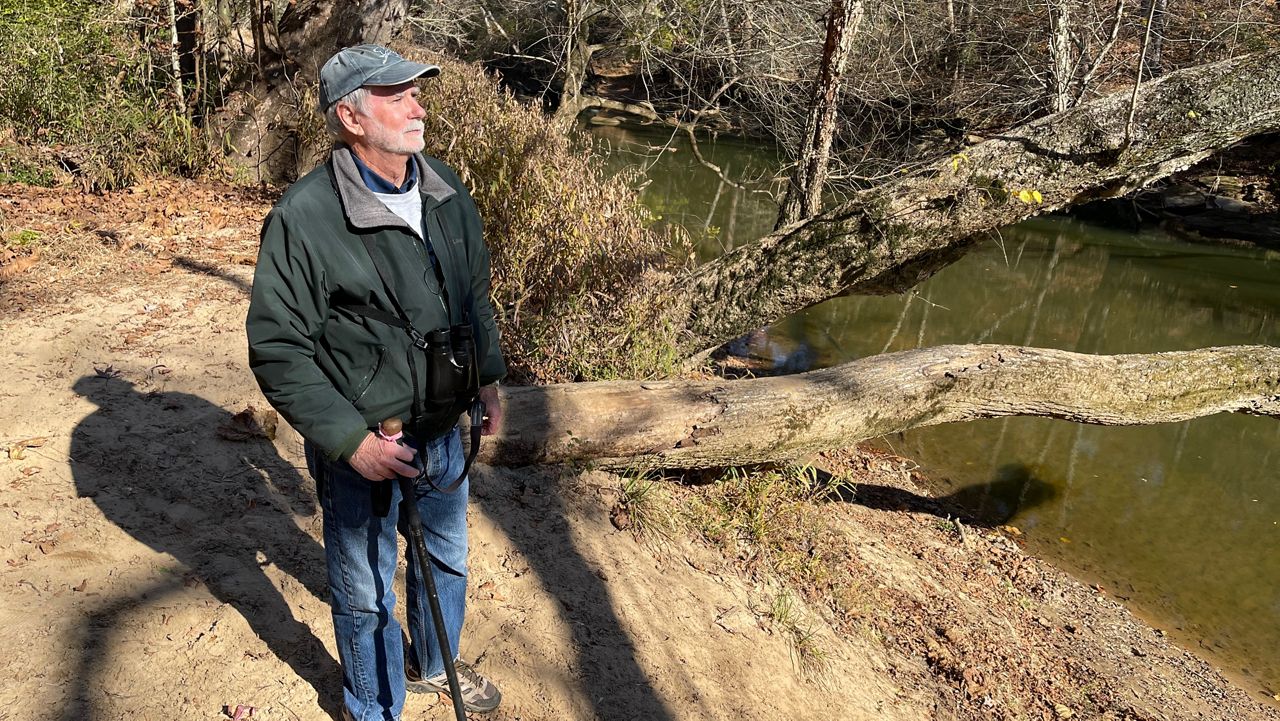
x=440, y=279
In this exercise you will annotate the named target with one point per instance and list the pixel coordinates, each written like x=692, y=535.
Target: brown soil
x=163, y=560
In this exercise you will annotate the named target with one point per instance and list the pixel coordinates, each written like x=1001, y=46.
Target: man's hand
x=379, y=460
x=493, y=410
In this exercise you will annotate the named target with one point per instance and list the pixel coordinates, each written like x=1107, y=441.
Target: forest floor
x=162, y=559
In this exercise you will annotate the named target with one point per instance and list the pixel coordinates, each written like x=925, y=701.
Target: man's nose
x=415, y=109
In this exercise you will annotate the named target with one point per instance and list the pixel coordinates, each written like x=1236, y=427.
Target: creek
x=1180, y=521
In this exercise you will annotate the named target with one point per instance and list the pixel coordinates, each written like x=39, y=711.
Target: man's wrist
x=351, y=444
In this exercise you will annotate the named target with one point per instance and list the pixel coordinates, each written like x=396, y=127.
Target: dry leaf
x=17, y=449
x=12, y=269
x=107, y=371
x=248, y=424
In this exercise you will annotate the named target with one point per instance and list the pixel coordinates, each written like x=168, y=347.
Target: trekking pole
x=390, y=430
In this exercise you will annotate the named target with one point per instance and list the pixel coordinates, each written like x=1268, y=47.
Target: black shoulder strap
x=403, y=320
x=377, y=314
x=418, y=342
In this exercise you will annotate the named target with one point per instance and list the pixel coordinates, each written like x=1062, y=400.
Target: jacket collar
x=366, y=212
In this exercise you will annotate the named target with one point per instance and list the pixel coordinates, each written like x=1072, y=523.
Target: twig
x=693, y=144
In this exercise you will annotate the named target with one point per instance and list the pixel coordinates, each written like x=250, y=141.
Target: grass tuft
x=809, y=655
x=647, y=507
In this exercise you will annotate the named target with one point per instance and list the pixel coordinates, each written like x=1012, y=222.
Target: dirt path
x=158, y=563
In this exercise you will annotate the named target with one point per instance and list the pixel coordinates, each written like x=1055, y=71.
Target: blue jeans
x=360, y=550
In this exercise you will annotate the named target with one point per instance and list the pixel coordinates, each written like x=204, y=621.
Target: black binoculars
x=453, y=374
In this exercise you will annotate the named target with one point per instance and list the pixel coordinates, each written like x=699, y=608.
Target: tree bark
x=577, y=59
x=262, y=121
x=1153, y=51
x=1060, y=55
x=175, y=62
x=893, y=235
x=313, y=30
x=678, y=424
x=804, y=192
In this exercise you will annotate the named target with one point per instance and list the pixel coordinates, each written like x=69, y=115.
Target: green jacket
x=330, y=372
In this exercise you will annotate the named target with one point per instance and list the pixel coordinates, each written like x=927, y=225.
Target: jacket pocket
x=360, y=389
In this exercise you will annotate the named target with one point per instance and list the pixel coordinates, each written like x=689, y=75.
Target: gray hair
x=356, y=99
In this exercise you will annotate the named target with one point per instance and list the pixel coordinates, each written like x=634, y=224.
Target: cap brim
x=401, y=72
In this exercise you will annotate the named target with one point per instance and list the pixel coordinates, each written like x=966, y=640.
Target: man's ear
x=347, y=116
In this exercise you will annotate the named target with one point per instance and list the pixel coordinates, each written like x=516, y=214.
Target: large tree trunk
x=677, y=424
x=313, y=30
x=272, y=123
x=908, y=226
x=804, y=193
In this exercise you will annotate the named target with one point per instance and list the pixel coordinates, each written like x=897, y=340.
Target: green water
x=1182, y=521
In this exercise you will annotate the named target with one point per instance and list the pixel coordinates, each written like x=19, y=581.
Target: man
x=377, y=244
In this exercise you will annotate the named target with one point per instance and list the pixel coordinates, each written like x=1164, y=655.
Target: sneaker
x=478, y=693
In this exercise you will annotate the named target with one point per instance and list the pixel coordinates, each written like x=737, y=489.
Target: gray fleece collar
x=366, y=212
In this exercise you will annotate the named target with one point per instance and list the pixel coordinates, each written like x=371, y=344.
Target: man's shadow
x=156, y=467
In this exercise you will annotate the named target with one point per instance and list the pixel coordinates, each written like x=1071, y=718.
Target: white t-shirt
x=407, y=205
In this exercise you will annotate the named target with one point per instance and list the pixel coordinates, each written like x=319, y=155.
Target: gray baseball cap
x=362, y=65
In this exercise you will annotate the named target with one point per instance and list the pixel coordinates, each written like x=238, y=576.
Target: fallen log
x=682, y=424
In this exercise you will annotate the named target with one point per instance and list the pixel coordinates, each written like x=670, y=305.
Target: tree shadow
x=213, y=271
x=1014, y=488
x=154, y=465
x=531, y=511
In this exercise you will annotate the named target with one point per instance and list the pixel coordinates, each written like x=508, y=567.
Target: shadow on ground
x=155, y=465
x=1013, y=489
x=530, y=509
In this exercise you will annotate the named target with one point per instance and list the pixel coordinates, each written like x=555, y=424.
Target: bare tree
x=1154, y=12
x=1060, y=54
x=804, y=192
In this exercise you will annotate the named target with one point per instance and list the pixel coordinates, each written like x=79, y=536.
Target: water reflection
x=1181, y=519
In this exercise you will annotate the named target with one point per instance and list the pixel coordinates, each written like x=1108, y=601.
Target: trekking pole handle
x=391, y=429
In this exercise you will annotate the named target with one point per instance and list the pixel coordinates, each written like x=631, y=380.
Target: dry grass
x=575, y=254
x=649, y=510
